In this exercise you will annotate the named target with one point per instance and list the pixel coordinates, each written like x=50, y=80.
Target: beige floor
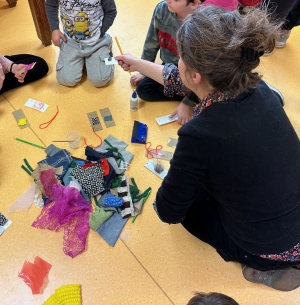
x=153, y=263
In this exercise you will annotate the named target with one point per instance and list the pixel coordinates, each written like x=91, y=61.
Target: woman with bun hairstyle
x=234, y=180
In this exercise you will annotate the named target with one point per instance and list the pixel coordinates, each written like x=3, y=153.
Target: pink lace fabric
x=70, y=211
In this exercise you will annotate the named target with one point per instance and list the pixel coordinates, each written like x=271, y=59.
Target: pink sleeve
x=229, y=5
x=5, y=63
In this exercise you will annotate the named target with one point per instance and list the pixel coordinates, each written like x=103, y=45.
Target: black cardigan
x=246, y=154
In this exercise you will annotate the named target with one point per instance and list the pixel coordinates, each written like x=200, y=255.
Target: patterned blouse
x=173, y=85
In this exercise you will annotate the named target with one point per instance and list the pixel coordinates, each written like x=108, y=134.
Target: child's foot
x=283, y=37
x=284, y=279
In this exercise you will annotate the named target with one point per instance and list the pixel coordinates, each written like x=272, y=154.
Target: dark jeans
x=203, y=221
x=38, y=71
x=293, y=18
x=152, y=91
x=286, y=10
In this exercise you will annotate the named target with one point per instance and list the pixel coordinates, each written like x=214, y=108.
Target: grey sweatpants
x=72, y=57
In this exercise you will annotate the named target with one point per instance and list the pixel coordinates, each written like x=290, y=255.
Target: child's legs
x=70, y=63
x=40, y=69
x=98, y=72
x=150, y=90
x=293, y=18
x=203, y=221
x=280, y=7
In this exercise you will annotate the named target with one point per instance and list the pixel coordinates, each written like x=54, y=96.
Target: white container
x=134, y=101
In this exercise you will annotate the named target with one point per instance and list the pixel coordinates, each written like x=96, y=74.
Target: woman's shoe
x=284, y=279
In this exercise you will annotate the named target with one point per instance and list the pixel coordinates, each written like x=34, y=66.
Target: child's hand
x=135, y=79
x=127, y=62
x=56, y=36
x=19, y=72
x=183, y=112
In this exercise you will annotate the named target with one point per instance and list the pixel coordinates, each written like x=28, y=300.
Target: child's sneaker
x=283, y=37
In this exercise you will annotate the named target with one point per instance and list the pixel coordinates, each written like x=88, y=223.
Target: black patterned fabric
x=90, y=179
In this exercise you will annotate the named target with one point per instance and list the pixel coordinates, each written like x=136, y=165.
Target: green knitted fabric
x=117, y=181
x=98, y=218
x=134, y=192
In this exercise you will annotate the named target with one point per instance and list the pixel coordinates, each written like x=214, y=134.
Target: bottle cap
x=134, y=95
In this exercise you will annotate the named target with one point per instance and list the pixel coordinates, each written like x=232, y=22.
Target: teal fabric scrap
x=108, y=118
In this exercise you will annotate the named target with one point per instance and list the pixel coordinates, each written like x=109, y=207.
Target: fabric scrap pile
x=68, y=184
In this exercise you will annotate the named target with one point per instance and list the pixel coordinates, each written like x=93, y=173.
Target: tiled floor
x=153, y=263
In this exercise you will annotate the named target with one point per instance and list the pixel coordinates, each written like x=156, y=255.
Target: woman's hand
x=128, y=62
x=183, y=112
x=56, y=36
x=19, y=71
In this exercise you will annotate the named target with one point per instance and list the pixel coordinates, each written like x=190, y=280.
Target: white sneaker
x=283, y=37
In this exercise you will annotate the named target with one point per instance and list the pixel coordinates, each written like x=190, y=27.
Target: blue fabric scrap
x=112, y=200
x=111, y=229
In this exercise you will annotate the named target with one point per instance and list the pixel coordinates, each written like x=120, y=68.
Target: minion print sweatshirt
x=82, y=19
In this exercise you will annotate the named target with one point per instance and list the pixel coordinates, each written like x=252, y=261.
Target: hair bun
x=250, y=54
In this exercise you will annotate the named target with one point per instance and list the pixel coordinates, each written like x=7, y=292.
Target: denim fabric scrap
x=60, y=158
x=51, y=150
x=91, y=179
x=111, y=229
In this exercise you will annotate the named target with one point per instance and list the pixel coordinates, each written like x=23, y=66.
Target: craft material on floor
x=4, y=223
x=69, y=211
x=33, y=274
x=30, y=143
x=144, y=201
x=172, y=142
x=46, y=124
x=74, y=139
x=24, y=202
x=112, y=228
x=139, y=133
x=107, y=117
x=37, y=105
x=94, y=121
x=166, y=119
x=66, y=295
x=158, y=153
x=19, y=115
x=151, y=166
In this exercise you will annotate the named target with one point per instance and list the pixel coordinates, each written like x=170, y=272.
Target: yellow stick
x=120, y=49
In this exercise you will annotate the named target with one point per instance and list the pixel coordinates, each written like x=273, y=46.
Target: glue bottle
x=134, y=101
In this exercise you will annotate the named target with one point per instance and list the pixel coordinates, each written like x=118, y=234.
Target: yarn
x=66, y=295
